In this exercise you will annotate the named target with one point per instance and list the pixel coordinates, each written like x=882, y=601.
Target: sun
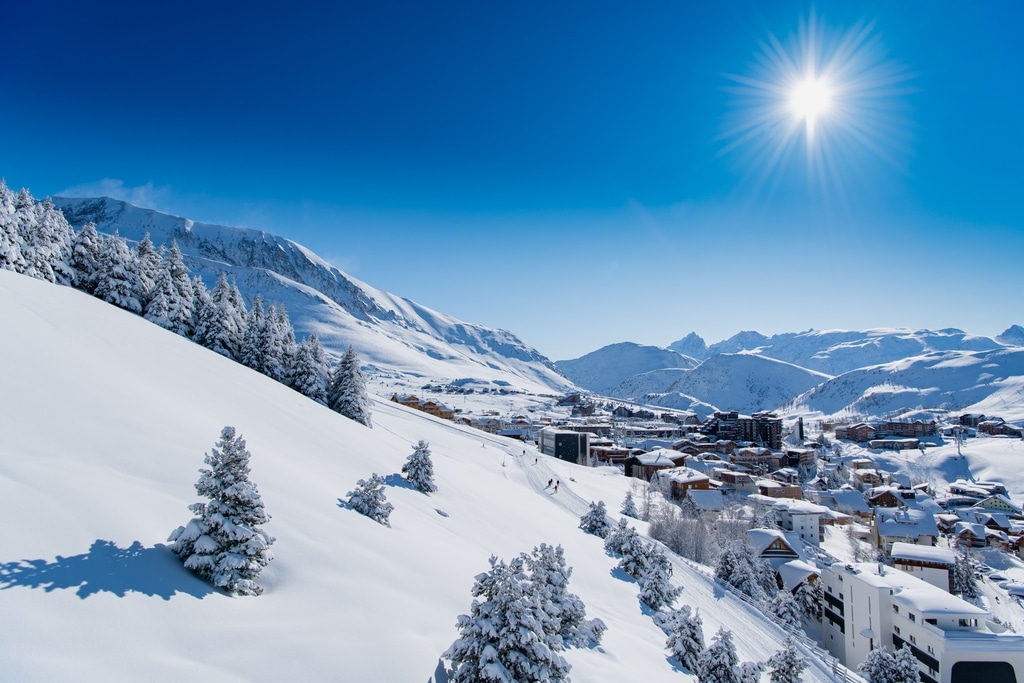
x=810, y=98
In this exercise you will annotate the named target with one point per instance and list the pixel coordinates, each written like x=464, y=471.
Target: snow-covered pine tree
x=419, y=468
x=656, y=589
x=225, y=543
x=786, y=665
x=85, y=257
x=738, y=567
x=629, y=507
x=686, y=640
x=964, y=583
x=878, y=667
x=310, y=372
x=52, y=239
x=281, y=359
x=149, y=266
x=635, y=556
x=904, y=666
x=719, y=662
x=202, y=311
x=255, y=342
x=620, y=534
x=346, y=392
x=750, y=672
x=11, y=257
x=595, y=521
x=118, y=281
x=170, y=303
x=502, y=638
x=809, y=597
x=220, y=324
x=785, y=608
x=368, y=499
x=562, y=614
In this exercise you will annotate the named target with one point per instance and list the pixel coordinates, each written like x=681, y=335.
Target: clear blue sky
x=579, y=173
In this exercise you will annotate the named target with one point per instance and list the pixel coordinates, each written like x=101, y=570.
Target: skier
x=549, y=483
x=556, y=487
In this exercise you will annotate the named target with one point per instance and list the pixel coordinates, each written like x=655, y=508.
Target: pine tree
x=368, y=499
x=809, y=597
x=149, y=266
x=309, y=374
x=220, y=324
x=255, y=343
x=562, y=614
x=737, y=567
x=750, y=672
x=11, y=257
x=202, y=307
x=502, y=638
x=620, y=534
x=686, y=639
x=635, y=559
x=283, y=350
x=656, y=589
x=85, y=257
x=719, y=663
x=171, y=298
x=964, y=583
x=786, y=665
x=346, y=392
x=905, y=669
x=878, y=667
x=419, y=468
x=629, y=507
x=49, y=240
x=118, y=282
x=225, y=543
x=786, y=609
x=595, y=521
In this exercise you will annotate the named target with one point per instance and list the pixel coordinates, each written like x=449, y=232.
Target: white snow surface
x=105, y=419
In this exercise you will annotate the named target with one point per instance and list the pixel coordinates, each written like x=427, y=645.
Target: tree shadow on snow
x=108, y=568
x=399, y=482
x=620, y=574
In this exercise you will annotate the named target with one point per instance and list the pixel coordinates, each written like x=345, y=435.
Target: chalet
x=970, y=534
x=610, y=455
x=999, y=427
x=856, y=432
x=972, y=419
x=786, y=475
x=794, y=573
x=866, y=479
x=773, y=546
x=681, y=480
x=931, y=564
x=909, y=428
x=429, y=406
x=862, y=464
x=999, y=503
x=734, y=482
x=644, y=465
x=774, y=489
x=884, y=496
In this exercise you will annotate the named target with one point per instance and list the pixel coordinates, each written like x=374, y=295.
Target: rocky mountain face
x=395, y=337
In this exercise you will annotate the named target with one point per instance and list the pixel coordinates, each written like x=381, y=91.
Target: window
x=931, y=650
x=897, y=629
x=913, y=618
x=896, y=609
x=913, y=639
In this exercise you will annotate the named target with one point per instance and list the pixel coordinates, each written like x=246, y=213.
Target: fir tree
x=964, y=583
x=282, y=348
x=635, y=559
x=595, y=521
x=878, y=667
x=686, y=639
x=503, y=637
x=118, y=282
x=368, y=499
x=149, y=267
x=719, y=663
x=809, y=597
x=786, y=609
x=11, y=257
x=419, y=469
x=50, y=241
x=171, y=298
x=736, y=566
x=904, y=666
x=786, y=665
x=620, y=534
x=629, y=507
x=309, y=375
x=562, y=614
x=750, y=672
x=346, y=392
x=224, y=543
x=656, y=589
x=255, y=343
x=220, y=324
x=85, y=257
x=202, y=306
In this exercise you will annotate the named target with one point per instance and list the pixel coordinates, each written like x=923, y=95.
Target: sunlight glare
x=810, y=98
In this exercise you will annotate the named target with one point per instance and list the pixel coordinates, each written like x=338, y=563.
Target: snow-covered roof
x=922, y=553
x=904, y=523
x=935, y=601
x=662, y=457
x=799, y=507
x=977, y=530
x=760, y=539
x=707, y=500
x=683, y=475
x=794, y=572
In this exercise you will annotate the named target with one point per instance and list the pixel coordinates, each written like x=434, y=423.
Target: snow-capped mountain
x=395, y=337
x=745, y=382
x=603, y=370
x=961, y=381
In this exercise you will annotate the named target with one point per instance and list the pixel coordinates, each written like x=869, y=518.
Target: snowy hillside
x=105, y=420
x=965, y=381
x=603, y=370
x=394, y=336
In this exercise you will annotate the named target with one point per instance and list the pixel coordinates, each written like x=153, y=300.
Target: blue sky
x=580, y=173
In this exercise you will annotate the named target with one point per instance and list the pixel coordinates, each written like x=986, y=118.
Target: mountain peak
x=1013, y=336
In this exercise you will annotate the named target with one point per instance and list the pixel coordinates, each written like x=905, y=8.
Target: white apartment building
x=868, y=605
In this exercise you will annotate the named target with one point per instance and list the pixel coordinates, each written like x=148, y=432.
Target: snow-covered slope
x=604, y=369
x=105, y=419
x=392, y=335
x=969, y=381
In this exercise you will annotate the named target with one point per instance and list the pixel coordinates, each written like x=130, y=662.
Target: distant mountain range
x=395, y=337
x=818, y=372
x=406, y=345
